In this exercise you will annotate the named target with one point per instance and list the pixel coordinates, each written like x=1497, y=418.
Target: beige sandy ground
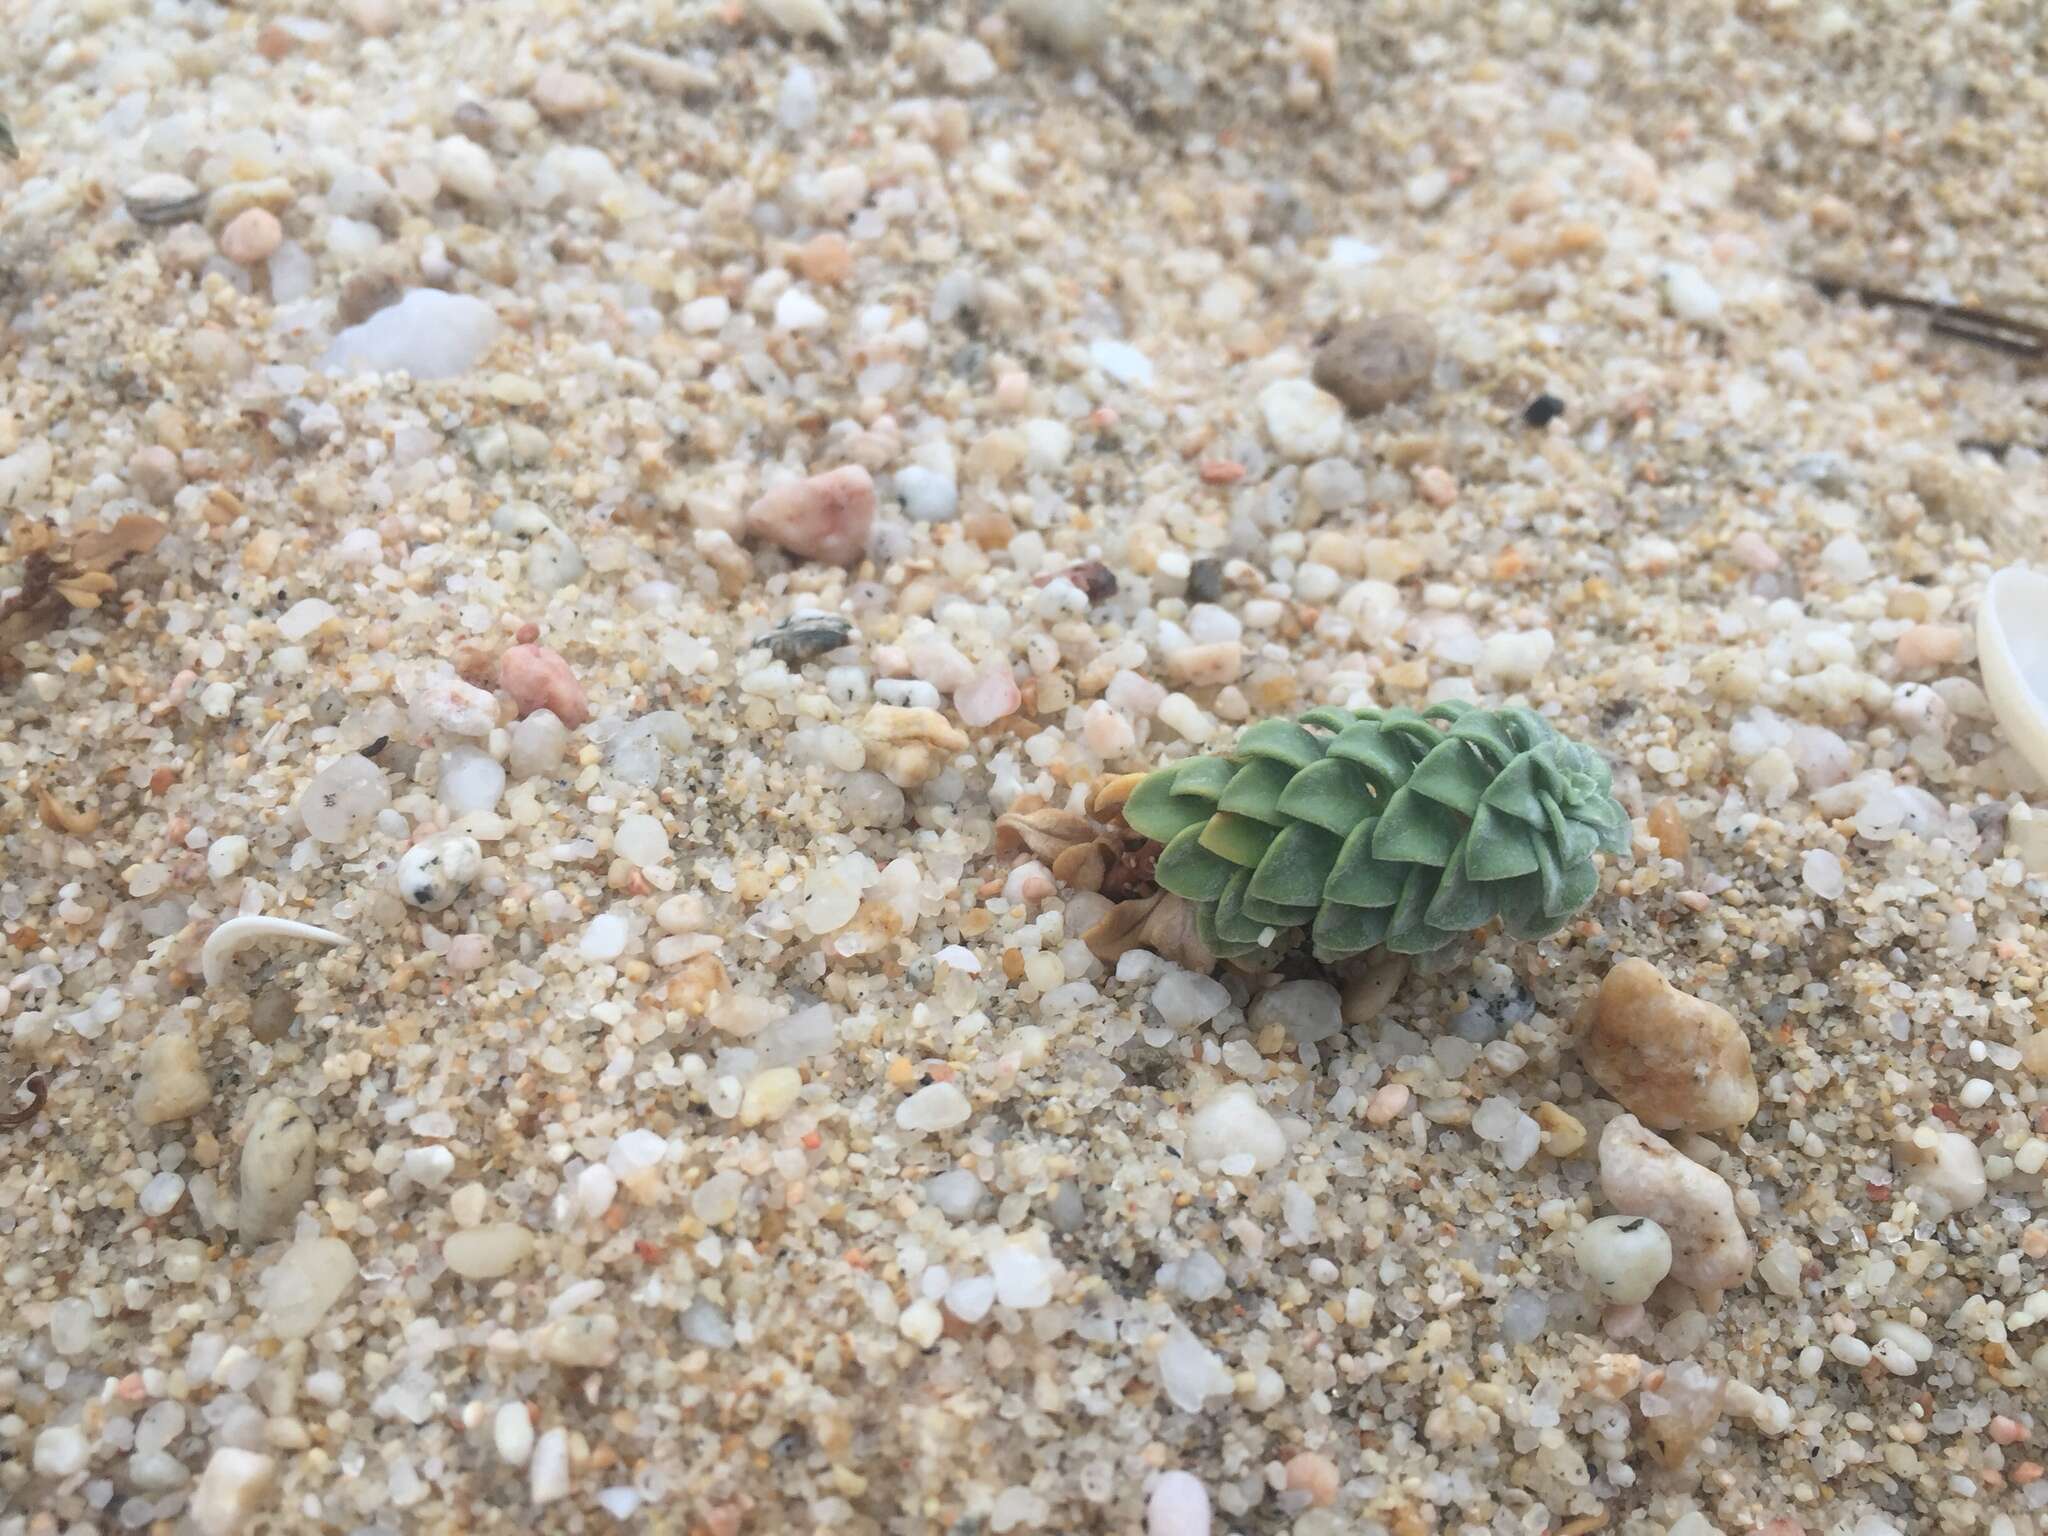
x=1743, y=564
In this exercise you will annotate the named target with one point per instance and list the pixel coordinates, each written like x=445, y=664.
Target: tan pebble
x=1387, y=1103
x=173, y=1086
x=1436, y=485
x=1315, y=1475
x=1563, y=1134
x=825, y=259
x=373, y=18
x=156, y=475
x=1929, y=645
x=769, y=1095
x=1642, y=1174
x=1373, y=363
x=1678, y=1063
x=1668, y=828
x=562, y=94
x=1693, y=1403
x=2034, y=1053
x=1613, y=1376
x=826, y=517
x=278, y=1163
x=1367, y=994
x=251, y=236
x=486, y=1252
x=538, y=678
x=1207, y=666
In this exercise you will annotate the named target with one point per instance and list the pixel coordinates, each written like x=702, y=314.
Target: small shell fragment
x=163, y=198
x=2012, y=650
x=238, y=933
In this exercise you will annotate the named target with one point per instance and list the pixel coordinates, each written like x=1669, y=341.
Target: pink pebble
x=468, y=952
x=826, y=517
x=537, y=678
x=1314, y=1474
x=1387, y=1103
x=1929, y=645
x=1436, y=484
x=251, y=236
x=2005, y=1431
x=1749, y=547
x=1625, y=1322
x=988, y=698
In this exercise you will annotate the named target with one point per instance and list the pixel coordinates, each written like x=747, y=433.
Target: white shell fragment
x=238, y=933
x=2012, y=650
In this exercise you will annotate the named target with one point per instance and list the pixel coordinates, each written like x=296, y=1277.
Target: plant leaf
x=1205, y=930
x=1255, y=790
x=1330, y=718
x=1414, y=830
x=1203, y=777
x=1296, y=867
x=1188, y=869
x=1499, y=847
x=1232, y=926
x=1334, y=794
x=1238, y=838
x=1155, y=811
x=1514, y=792
x=1373, y=750
x=1453, y=774
x=1277, y=916
x=1360, y=880
x=1460, y=904
x=1283, y=741
x=1581, y=880
x=1340, y=931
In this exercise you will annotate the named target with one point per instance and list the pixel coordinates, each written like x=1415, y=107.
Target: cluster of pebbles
x=546, y=904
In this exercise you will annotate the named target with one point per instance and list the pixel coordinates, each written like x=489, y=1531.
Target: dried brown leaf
x=1162, y=922
x=85, y=589
x=1108, y=797
x=1084, y=866
x=1048, y=832
x=99, y=548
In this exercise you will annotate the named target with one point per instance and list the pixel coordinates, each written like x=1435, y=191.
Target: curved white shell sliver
x=237, y=933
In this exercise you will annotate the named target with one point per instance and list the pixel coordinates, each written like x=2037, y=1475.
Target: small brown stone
x=1373, y=363
x=1668, y=828
x=1678, y=1063
x=1563, y=1133
x=825, y=259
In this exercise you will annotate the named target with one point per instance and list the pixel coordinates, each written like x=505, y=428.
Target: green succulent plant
x=1382, y=827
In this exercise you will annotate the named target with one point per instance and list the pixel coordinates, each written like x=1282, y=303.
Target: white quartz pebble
x=232, y=1491
x=1624, y=1258
x=934, y=1107
x=1177, y=1506
x=1233, y=1129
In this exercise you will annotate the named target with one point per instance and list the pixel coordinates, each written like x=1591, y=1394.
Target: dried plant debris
x=56, y=574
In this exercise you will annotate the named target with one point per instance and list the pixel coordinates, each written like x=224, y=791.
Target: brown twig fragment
x=1979, y=327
